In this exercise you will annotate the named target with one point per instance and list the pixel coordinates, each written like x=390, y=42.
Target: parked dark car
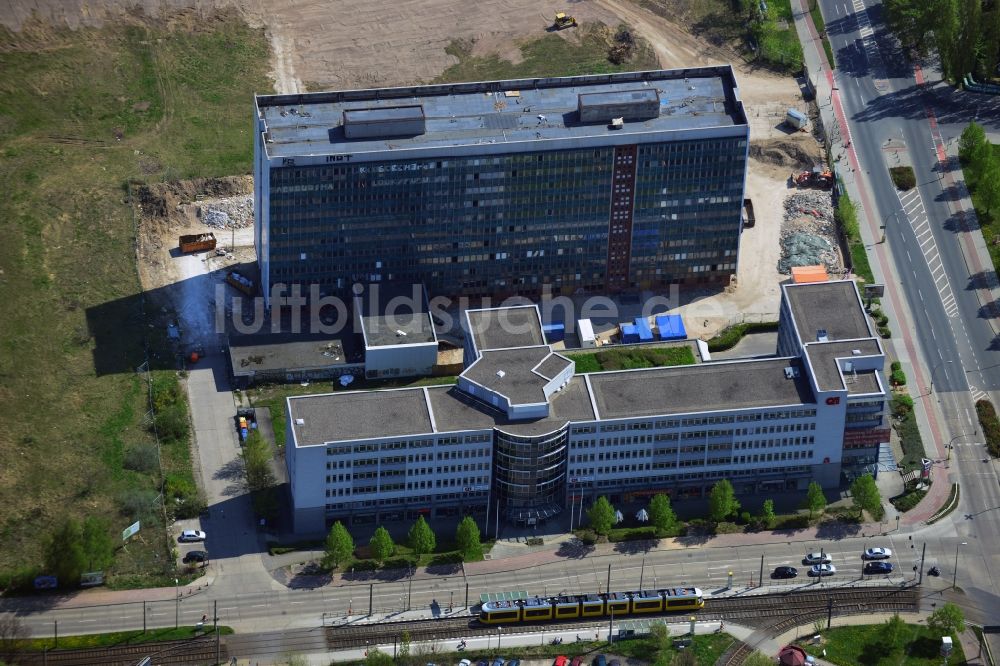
x=600, y=660
x=195, y=556
x=785, y=572
x=878, y=568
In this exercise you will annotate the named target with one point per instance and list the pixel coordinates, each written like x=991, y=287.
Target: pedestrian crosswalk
x=913, y=209
x=870, y=45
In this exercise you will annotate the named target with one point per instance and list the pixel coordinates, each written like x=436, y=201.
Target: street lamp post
x=930, y=390
x=499, y=631
x=951, y=444
x=954, y=573
x=177, y=603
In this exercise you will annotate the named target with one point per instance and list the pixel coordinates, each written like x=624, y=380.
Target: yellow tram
x=568, y=607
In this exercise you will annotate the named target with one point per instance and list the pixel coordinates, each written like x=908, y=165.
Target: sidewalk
x=834, y=119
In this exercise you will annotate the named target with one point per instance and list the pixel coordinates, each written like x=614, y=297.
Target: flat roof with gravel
x=334, y=417
x=833, y=307
x=511, y=373
x=395, y=316
x=826, y=369
x=705, y=387
x=356, y=122
x=506, y=328
x=283, y=354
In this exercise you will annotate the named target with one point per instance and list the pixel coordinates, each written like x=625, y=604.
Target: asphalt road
x=883, y=102
x=704, y=567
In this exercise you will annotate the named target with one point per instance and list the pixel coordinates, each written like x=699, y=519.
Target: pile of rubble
x=229, y=213
x=808, y=232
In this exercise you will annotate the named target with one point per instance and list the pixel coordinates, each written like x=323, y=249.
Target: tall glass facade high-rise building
x=599, y=183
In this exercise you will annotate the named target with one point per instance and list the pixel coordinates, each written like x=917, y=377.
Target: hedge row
x=728, y=338
x=990, y=424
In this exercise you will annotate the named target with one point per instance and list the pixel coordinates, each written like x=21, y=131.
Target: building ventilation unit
x=605, y=107
x=791, y=373
x=821, y=335
x=382, y=122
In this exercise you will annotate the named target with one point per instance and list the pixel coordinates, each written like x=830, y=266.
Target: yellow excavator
x=564, y=21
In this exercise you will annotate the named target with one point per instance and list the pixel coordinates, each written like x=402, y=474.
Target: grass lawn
x=865, y=645
x=120, y=638
x=780, y=47
x=990, y=222
x=817, y=17
x=629, y=358
x=273, y=396
x=81, y=113
x=707, y=648
x=584, y=51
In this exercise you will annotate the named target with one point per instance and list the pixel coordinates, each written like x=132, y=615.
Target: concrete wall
x=401, y=360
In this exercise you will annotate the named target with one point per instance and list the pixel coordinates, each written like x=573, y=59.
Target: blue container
x=554, y=332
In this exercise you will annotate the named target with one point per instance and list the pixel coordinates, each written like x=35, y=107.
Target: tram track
x=757, y=611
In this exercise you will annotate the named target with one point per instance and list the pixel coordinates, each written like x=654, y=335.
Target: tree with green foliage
x=767, y=513
x=815, y=499
x=421, y=538
x=722, y=501
x=892, y=635
x=661, y=514
x=65, y=557
x=659, y=637
x=947, y=620
x=375, y=657
x=988, y=187
x=601, y=516
x=865, y=496
x=339, y=545
x=257, y=461
x=467, y=538
x=972, y=145
x=382, y=545
x=403, y=656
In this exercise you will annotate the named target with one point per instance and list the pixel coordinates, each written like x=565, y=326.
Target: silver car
x=189, y=536
x=822, y=570
x=876, y=554
x=817, y=558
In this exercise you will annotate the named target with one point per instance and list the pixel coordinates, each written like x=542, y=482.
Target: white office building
x=522, y=438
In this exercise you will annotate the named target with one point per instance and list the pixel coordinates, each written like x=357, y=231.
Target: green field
x=81, y=114
x=551, y=55
x=865, y=645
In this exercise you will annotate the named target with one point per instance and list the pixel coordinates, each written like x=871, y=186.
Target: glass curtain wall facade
x=508, y=224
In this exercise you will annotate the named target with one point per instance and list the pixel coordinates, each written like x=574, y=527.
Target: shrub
x=141, y=458
x=902, y=405
x=728, y=338
x=990, y=424
x=897, y=376
x=745, y=518
x=903, y=177
x=884, y=332
x=908, y=500
x=172, y=423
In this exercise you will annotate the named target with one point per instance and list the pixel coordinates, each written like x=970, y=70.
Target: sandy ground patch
x=355, y=43
x=188, y=285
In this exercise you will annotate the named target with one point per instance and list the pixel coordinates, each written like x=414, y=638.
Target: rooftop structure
x=489, y=188
x=699, y=388
x=505, y=328
x=431, y=118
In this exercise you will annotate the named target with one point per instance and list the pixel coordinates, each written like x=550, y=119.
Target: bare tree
x=12, y=631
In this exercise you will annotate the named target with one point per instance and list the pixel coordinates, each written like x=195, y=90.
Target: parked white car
x=817, y=558
x=189, y=536
x=876, y=554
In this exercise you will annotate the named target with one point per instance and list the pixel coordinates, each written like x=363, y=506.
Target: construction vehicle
x=564, y=21
x=197, y=242
x=818, y=177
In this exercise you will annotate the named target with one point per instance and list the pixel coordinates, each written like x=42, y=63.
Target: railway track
x=757, y=611
x=809, y=610
x=193, y=651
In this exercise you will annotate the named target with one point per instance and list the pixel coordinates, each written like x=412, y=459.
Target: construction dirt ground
x=355, y=44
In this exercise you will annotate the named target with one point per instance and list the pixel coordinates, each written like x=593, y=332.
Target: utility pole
x=761, y=579
x=608, y=589
x=143, y=616
x=611, y=627
x=829, y=611
x=409, y=590
x=371, y=597
x=642, y=570
x=923, y=552
x=215, y=613
x=466, y=596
